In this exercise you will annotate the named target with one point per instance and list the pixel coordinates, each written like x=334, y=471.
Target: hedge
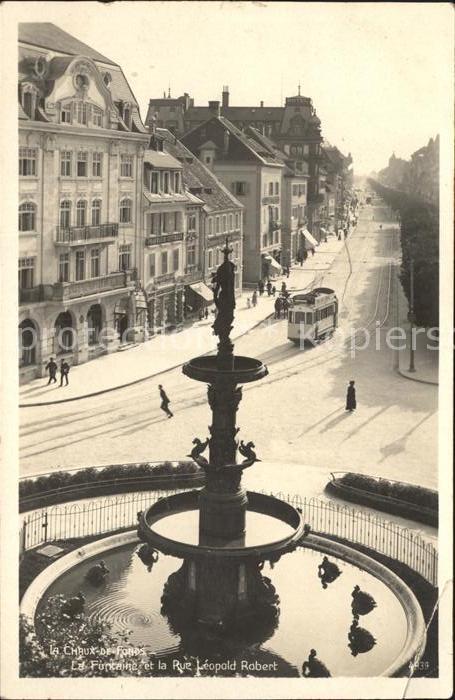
x=414, y=495
x=92, y=476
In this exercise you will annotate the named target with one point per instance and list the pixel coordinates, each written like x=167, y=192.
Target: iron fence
x=104, y=515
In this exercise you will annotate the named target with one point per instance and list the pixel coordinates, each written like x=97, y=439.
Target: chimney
x=262, y=103
x=225, y=96
x=214, y=107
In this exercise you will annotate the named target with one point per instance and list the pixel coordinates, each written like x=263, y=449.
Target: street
x=295, y=415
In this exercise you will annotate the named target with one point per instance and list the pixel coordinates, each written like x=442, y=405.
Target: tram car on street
x=313, y=316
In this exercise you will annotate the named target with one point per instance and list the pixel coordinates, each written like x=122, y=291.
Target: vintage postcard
x=227, y=315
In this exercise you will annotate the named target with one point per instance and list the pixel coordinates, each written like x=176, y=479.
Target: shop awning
x=203, y=291
x=122, y=306
x=272, y=262
x=309, y=237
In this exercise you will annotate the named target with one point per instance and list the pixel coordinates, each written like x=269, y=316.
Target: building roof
x=48, y=36
x=235, y=113
x=197, y=177
x=161, y=159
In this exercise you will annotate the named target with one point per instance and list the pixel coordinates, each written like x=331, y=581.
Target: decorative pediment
x=81, y=80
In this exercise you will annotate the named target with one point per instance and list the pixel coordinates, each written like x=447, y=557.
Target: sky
x=379, y=74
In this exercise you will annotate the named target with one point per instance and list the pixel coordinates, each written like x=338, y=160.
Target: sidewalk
x=163, y=353
x=426, y=360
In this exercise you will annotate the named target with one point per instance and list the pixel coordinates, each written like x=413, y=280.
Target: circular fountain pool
x=310, y=616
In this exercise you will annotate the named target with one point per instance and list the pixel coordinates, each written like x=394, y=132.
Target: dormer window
x=97, y=117
x=65, y=114
x=177, y=182
x=81, y=113
x=29, y=96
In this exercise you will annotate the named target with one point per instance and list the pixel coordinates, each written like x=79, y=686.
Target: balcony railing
x=75, y=235
x=271, y=199
x=164, y=238
x=61, y=291
x=162, y=280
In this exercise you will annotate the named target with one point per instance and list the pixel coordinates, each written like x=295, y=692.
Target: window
x=28, y=103
x=27, y=161
x=126, y=166
x=95, y=262
x=210, y=220
x=26, y=273
x=152, y=268
x=270, y=188
x=65, y=114
x=237, y=250
x=96, y=212
x=191, y=255
x=80, y=265
x=177, y=182
x=237, y=221
x=176, y=221
x=64, y=267
x=154, y=182
x=97, y=164
x=217, y=224
x=164, y=262
x=302, y=189
x=240, y=187
x=166, y=183
x=192, y=222
x=277, y=188
x=65, y=214
x=82, y=164
x=81, y=111
x=125, y=211
x=124, y=256
x=224, y=223
x=295, y=190
x=66, y=158
x=97, y=117
x=231, y=222
x=127, y=116
x=27, y=217
x=210, y=259
x=175, y=259
x=208, y=160
x=81, y=213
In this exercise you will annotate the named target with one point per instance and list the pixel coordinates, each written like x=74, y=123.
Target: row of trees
x=419, y=225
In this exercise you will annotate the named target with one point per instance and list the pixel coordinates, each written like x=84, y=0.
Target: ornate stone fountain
x=223, y=533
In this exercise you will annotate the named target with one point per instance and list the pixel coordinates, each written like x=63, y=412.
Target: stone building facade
x=81, y=150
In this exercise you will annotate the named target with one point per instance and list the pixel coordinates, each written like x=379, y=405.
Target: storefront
x=198, y=296
x=271, y=268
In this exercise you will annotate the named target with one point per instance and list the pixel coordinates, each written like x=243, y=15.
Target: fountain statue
x=220, y=584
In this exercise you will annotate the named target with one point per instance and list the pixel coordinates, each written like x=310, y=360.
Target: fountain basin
x=244, y=370
x=171, y=525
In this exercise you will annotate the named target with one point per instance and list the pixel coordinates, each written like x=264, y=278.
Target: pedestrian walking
x=285, y=306
x=351, y=402
x=269, y=288
x=52, y=369
x=206, y=313
x=278, y=307
x=254, y=298
x=288, y=271
x=165, y=401
x=283, y=287
x=261, y=287
x=312, y=251
x=305, y=255
x=345, y=231
x=64, y=371
x=273, y=291
x=248, y=303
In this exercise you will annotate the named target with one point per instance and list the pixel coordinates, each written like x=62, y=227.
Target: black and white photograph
x=227, y=362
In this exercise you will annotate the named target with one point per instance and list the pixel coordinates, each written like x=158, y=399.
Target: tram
x=313, y=316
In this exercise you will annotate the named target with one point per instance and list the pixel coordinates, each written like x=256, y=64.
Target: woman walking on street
x=351, y=402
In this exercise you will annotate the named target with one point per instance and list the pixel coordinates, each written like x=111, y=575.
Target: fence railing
x=66, y=521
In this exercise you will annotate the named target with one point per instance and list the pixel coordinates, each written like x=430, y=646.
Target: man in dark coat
x=351, y=403
x=261, y=287
x=64, y=371
x=165, y=402
x=52, y=369
x=269, y=288
x=278, y=307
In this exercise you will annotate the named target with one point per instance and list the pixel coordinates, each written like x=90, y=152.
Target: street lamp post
x=411, y=318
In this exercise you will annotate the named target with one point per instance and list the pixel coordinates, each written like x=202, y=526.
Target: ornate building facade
x=81, y=150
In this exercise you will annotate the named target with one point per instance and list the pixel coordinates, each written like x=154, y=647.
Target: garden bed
x=63, y=486
x=394, y=497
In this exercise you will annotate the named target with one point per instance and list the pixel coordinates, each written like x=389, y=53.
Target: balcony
x=271, y=199
x=30, y=296
x=163, y=238
x=78, y=235
x=62, y=291
x=165, y=280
